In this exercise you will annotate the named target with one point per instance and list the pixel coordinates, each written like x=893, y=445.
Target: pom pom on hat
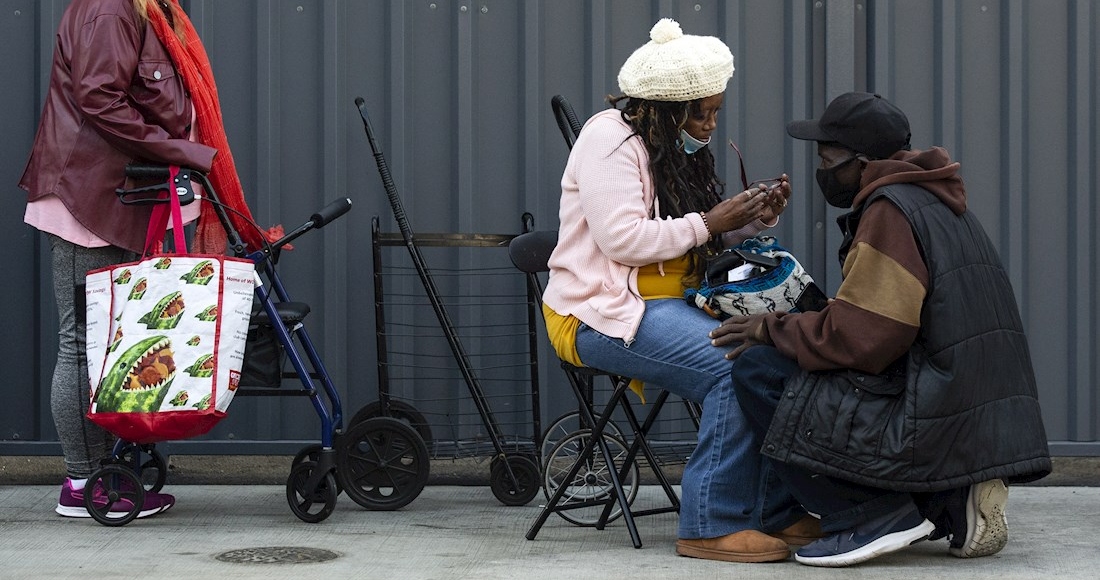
x=674, y=66
x=665, y=30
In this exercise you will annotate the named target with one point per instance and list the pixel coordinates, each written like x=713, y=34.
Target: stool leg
x=642, y=443
x=616, y=480
x=589, y=449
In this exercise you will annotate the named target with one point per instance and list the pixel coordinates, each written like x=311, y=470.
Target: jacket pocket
x=158, y=93
x=849, y=413
x=155, y=71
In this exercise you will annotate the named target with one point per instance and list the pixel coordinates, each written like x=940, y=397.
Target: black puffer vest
x=960, y=408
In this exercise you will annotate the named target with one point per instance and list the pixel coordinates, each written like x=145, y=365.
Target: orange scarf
x=193, y=65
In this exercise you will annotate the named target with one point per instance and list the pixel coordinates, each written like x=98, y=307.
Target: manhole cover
x=276, y=555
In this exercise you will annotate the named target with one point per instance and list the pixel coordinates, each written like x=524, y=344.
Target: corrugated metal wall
x=459, y=94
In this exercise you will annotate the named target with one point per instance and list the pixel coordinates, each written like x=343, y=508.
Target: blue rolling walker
x=381, y=462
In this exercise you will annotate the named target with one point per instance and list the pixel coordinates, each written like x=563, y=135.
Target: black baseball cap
x=863, y=122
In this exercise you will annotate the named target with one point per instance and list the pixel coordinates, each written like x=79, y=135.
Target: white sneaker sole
x=986, y=523
x=884, y=545
x=76, y=512
x=80, y=512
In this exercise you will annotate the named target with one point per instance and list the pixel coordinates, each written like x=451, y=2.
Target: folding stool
x=529, y=253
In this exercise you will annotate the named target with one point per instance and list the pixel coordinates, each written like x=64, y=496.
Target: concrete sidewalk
x=455, y=532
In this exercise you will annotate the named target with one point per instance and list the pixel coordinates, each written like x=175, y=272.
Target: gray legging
x=84, y=443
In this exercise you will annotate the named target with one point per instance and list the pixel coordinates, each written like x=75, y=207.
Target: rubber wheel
x=310, y=505
x=382, y=463
x=563, y=426
x=399, y=410
x=105, y=506
x=592, y=482
x=312, y=453
x=526, y=484
x=307, y=453
x=149, y=463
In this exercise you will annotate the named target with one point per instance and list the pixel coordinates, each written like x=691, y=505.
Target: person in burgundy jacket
x=116, y=95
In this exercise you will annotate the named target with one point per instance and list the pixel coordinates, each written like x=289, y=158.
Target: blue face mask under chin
x=691, y=144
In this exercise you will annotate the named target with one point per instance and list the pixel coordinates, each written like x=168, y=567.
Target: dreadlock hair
x=684, y=183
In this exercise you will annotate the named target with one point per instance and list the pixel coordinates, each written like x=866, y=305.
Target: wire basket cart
x=483, y=347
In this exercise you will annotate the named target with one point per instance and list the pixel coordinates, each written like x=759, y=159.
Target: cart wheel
x=382, y=463
x=565, y=425
x=148, y=462
x=312, y=453
x=526, y=472
x=399, y=410
x=108, y=496
x=310, y=505
x=592, y=482
x=308, y=453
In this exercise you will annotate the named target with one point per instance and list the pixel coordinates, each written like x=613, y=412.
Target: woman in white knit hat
x=641, y=208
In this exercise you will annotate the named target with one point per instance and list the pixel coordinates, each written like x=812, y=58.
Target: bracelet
x=706, y=224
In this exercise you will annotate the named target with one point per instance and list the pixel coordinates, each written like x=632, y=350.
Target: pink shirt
x=607, y=232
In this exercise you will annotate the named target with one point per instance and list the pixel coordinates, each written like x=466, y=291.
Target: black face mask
x=837, y=194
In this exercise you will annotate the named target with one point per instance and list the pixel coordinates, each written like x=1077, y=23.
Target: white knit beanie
x=674, y=66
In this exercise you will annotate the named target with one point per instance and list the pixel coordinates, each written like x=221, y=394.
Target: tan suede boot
x=800, y=533
x=743, y=546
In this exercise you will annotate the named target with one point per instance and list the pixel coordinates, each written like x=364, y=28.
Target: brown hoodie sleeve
x=876, y=315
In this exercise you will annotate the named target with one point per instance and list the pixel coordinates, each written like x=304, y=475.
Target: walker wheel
x=148, y=462
x=399, y=410
x=382, y=463
x=526, y=484
x=310, y=504
x=111, y=501
x=312, y=453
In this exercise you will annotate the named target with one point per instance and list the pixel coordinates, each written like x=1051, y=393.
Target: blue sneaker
x=888, y=533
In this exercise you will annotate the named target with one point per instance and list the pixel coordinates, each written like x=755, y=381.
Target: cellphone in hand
x=767, y=185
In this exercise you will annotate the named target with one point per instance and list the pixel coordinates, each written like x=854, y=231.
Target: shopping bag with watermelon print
x=166, y=338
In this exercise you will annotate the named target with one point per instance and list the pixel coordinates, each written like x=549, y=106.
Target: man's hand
x=746, y=330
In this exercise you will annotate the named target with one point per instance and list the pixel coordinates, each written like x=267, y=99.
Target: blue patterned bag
x=755, y=277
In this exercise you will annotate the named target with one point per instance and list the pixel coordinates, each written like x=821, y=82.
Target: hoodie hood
x=931, y=169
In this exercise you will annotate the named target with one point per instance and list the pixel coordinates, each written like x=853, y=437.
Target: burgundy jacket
x=114, y=97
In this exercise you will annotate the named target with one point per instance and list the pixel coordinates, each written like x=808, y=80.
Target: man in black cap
x=898, y=412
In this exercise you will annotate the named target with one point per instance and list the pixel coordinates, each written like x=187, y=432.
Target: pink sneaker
x=166, y=500
x=71, y=503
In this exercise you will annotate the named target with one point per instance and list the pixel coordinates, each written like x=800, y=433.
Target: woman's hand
x=733, y=213
x=775, y=199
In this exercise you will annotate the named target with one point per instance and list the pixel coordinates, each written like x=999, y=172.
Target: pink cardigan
x=607, y=232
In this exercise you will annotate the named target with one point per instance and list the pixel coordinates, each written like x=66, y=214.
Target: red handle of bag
x=158, y=220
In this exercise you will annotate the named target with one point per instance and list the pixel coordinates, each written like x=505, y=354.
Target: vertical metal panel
x=20, y=68
x=840, y=50
x=1083, y=146
x=459, y=94
x=1012, y=96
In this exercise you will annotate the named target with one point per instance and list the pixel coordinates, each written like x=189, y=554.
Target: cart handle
x=330, y=212
x=150, y=193
x=316, y=221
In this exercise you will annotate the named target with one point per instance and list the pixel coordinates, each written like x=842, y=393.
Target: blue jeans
x=721, y=489
x=759, y=376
